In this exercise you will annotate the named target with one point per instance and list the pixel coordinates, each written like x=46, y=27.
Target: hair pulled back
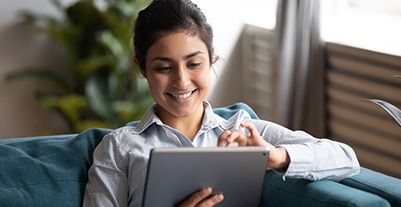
x=163, y=17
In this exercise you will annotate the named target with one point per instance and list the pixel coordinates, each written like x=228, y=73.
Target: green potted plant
x=103, y=88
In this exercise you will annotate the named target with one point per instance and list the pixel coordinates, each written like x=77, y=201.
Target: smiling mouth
x=182, y=96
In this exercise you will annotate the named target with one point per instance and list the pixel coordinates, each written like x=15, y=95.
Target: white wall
x=227, y=18
x=21, y=47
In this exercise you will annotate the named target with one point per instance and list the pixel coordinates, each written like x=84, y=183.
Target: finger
x=251, y=128
x=254, y=136
x=222, y=138
x=233, y=144
x=237, y=136
x=232, y=136
x=212, y=201
x=197, y=197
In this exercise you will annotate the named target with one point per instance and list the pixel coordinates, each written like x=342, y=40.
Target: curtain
x=299, y=58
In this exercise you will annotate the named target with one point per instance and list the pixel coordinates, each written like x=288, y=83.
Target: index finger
x=236, y=136
x=251, y=128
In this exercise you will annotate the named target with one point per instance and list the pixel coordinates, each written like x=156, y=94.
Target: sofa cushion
x=299, y=192
x=46, y=171
x=228, y=111
x=371, y=181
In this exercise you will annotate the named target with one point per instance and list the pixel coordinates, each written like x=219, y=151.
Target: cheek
x=204, y=79
x=156, y=84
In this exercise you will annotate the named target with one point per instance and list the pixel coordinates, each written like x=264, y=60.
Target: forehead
x=176, y=45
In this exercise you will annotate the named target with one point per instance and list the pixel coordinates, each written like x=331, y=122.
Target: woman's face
x=178, y=73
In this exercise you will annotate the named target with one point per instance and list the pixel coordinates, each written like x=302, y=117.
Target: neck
x=187, y=125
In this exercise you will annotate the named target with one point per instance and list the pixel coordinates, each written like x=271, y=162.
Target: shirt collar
x=148, y=119
x=210, y=119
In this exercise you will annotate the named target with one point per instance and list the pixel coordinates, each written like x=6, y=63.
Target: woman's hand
x=202, y=198
x=236, y=138
x=278, y=156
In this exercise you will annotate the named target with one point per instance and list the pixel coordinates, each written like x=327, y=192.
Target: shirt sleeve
x=310, y=158
x=107, y=177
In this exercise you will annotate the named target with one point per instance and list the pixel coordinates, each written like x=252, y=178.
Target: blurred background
x=65, y=66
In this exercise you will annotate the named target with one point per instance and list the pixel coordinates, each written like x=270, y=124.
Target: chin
x=183, y=112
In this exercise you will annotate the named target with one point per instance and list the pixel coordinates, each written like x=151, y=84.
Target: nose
x=182, y=77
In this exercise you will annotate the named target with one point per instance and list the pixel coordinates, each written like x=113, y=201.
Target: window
x=261, y=13
x=386, y=6
x=367, y=24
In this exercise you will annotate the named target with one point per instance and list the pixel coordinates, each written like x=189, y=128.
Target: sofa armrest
x=327, y=193
x=374, y=182
x=48, y=170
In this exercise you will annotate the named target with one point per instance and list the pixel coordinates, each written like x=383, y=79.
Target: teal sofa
x=52, y=171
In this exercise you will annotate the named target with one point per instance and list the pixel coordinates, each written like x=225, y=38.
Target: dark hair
x=163, y=17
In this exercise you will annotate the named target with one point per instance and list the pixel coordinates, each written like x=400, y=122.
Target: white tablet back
x=175, y=173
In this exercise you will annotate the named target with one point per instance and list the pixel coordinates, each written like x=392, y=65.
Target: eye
x=194, y=65
x=163, y=69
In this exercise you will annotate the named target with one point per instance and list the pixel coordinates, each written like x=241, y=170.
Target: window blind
x=354, y=75
x=258, y=70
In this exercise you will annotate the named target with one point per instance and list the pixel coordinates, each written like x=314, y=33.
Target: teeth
x=182, y=95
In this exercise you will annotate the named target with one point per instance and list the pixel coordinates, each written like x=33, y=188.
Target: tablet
x=175, y=173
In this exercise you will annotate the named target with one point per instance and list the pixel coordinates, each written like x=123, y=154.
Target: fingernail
x=220, y=197
x=208, y=190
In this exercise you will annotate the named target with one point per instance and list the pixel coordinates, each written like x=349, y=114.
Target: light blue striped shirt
x=117, y=176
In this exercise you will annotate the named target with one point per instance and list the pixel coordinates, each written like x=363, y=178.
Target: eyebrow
x=186, y=57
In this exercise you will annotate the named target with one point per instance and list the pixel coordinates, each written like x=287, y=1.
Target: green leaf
x=98, y=98
x=125, y=110
x=87, y=66
x=49, y=101
x=68, y=36
x=70, y=106
x=116, y=24
x=112, y=44
x=42, y=75
x=85, y=14
x=140, y=89
x=142, y=85
x=91, y=123
x=114, y=87
x=130, y=8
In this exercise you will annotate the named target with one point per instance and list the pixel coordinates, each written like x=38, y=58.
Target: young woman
x=173, y=46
